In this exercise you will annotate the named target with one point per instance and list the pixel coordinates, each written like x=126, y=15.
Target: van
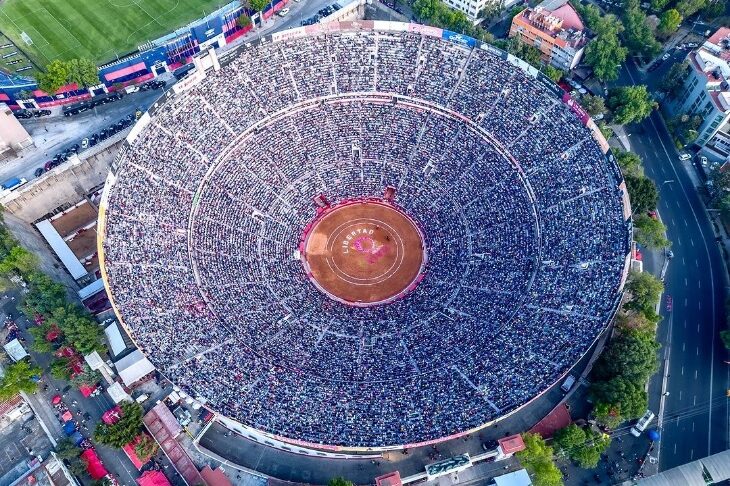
x=568, y=383
x=131, y=89
x=643, y=422
x=142, y=398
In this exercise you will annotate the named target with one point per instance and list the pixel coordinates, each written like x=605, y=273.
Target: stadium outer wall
x=559, y=93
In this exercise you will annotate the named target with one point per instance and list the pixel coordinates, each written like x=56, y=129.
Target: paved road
x=696, y=413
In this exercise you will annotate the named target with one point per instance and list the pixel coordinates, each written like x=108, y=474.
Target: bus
x=12, y=184
x=643, y=422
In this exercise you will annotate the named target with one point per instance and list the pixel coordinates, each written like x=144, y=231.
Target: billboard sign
x=460, y=39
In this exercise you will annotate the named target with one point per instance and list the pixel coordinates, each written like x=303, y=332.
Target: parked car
x=703, y=161
x=39, y=171
x=85, y=143
x=665, y=56
x=283, y=12
x=684, y=156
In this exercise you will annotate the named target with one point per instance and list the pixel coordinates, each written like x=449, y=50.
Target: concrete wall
x=67, y=184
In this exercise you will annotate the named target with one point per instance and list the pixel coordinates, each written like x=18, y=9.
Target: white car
x=703, y=161
x=85, y=143
x=684, y=156
x=283, y=12
x=665, y=56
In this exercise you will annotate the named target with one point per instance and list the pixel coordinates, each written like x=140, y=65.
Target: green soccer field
x=100, y=30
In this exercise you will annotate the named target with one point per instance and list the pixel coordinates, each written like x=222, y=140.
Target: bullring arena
x=365, y=234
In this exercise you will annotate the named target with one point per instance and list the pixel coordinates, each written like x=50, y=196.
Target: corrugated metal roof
x=717, y=465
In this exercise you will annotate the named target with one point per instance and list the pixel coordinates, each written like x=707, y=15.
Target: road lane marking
x=685, y=325
x=693, y=426
x=675, y=448
x=695, y=374
x=685, y=222
x=680, y=399
x=698, y=350
x=691, y=240
x=685, y=282
x=698, y=327
x=694, y=401
x=692, y=454
x=685, y=301
x=682, y=371
x=699, y=304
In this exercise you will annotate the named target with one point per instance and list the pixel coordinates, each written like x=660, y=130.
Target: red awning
x=153, y=478
x=120, y=73
x=56, y=399
x=93, y=465
x=112, y=415
x=87, y=390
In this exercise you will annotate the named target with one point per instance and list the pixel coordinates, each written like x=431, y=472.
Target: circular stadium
x=365, y=234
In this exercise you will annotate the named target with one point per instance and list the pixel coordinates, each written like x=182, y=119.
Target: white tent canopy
x=133, y=367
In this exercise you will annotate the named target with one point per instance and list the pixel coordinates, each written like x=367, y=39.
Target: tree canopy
x=61, y=369
x=83, y=72
x=630, y=163
x=645, y=290
x=65, y=449
x=594, y=104
x=725, y=336
x=339, y=481
x=690, y=7
x=19, y=377
x=628, y=396
x=537, y=458
x=258, y=5
x=638, y=36
x=669, y=22
x=632, y=355
x=582, y=445
x=649, y=232
x=125, y=430
x=673, y=80
x=56, y=75
x=631, y=104
x=145, y=447
x=605, y=54
x=642, y=192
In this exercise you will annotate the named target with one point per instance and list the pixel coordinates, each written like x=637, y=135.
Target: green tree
x=83, y=72
x=690, y=7
x=40, y=343
x=77, y=466
x=61, y=369
x=258, y=5
x=56, y=75
x=669, y=22
x=18, y=377
x=608, y=415
x=243, y=21
x=87, y=377
x=644, y=290
x=626, y=321
x=659, y=4
x=591, y=14
x=146, y=447
x=725, y=336
x=642, y=192
x=125, y=430
x=673, y=81
x=631, y=355
x=19, y=261
x=638, y=37
x=552, y=73
x=630, y=163
x=628, y=396
x=605, y=54
x=339, y=481
x=594, y=104
x=44, y=295
x=583, y=446
x=525, y=52
x=65, y=449
x=715, y=9
x=650, y=232
x=630, y=104
x=537, y=458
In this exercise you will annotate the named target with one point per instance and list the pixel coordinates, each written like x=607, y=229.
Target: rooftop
x=558, y=19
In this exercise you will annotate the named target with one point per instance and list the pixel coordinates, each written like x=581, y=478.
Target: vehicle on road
x=85, y=143
x=181, y=72
x=283, y=12
x=131, y=89
x=39, y=171
x=665, y=56
x=12, y=184
x=692, y=45
x=670, y=254
x=684, y=156
x=568, y=383
x=703, y=161
x=641, y=425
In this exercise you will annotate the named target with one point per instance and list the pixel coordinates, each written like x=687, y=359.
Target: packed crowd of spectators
x=524, y=229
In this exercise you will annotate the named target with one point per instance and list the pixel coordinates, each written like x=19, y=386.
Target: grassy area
x=97, y=29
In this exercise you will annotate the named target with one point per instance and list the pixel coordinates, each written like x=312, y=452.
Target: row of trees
x=581, y=445
x=46, y=301
x=58, y=73
x=620, y=373
x=537, y=458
